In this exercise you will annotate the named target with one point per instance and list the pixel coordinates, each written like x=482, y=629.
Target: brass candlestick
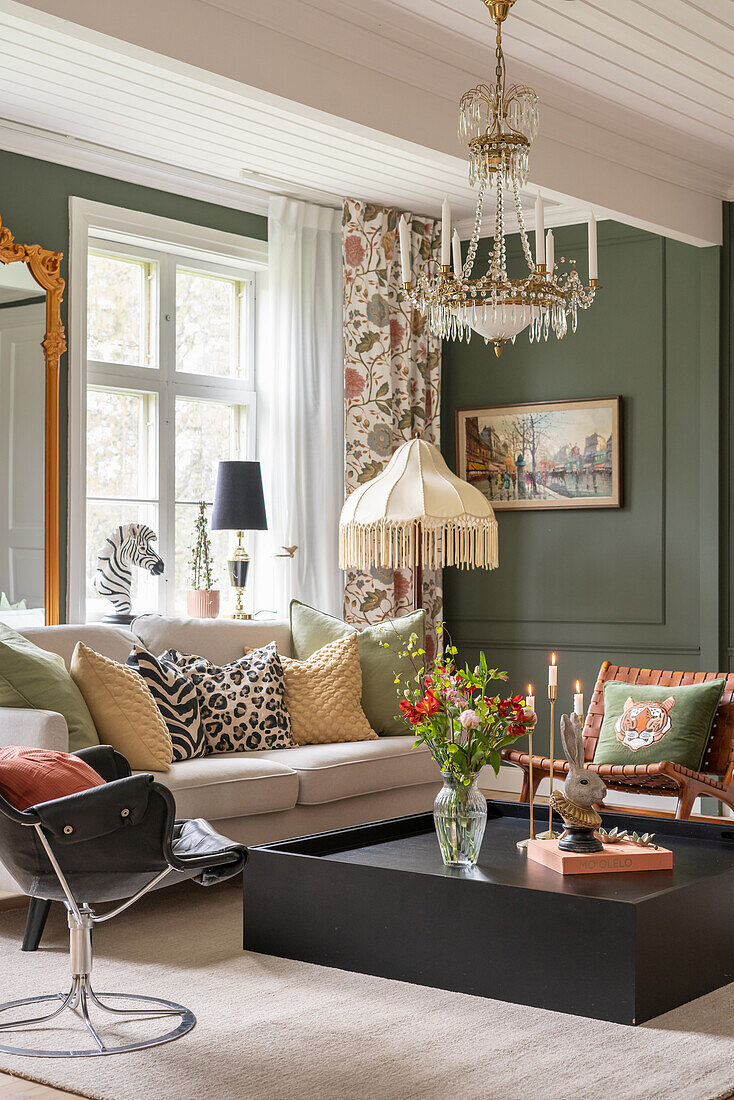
x=524, y=843
x=552, y=695
x=530, y=777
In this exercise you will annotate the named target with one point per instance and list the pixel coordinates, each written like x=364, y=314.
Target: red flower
x=354, y=251
x=410, y=712
x=428, y=705
x=353, y=384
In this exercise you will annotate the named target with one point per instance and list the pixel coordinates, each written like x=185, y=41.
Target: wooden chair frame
x=715, y=780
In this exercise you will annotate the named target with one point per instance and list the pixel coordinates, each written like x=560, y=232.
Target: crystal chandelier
x=499, y=124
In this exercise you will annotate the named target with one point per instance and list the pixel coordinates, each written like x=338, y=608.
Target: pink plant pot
x=202, y=603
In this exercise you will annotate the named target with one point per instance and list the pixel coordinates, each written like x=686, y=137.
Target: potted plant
x=202, y=598
x=465, y=726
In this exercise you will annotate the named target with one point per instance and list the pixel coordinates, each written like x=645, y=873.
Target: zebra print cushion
x=243, y=703
x=177, y=700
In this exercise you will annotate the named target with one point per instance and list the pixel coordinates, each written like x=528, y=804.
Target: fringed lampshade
x=417, y=514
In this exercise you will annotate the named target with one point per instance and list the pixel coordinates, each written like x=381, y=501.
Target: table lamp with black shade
x=239, y=506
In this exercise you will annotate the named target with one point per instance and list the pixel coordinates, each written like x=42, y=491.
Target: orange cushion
x=29, y=776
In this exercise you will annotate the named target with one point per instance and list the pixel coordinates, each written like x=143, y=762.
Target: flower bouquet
x=464, y=726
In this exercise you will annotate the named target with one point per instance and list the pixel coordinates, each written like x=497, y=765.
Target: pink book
x=615, y=857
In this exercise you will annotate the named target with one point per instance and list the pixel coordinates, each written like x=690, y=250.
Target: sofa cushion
x=231, y=785
x=242, y=704
x=327, y=773
x=323, y=695
x=218, y=640
x=31, y=677
x=30, y=776
x=176, y=698
x=110, y=641
x=123, y=708
x=379, y=649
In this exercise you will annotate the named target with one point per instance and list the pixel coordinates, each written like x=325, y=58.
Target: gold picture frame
x=45, y=267
x=543, y=455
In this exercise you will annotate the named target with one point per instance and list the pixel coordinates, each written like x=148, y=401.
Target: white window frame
x=168, y=243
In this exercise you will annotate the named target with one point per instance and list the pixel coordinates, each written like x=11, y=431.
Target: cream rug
x=270, y=1029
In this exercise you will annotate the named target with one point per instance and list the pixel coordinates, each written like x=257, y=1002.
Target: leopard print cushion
x=242, y=704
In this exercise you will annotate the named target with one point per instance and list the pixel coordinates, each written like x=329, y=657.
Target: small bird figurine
x=289, y=552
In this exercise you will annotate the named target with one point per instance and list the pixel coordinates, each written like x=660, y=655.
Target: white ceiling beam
x=318, y=60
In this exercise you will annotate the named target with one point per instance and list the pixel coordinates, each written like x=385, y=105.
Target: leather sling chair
x=110, y=843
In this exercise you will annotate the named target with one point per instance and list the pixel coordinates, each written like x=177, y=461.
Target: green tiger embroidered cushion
x=646, y=724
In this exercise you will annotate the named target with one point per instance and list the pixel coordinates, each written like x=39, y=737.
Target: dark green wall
x=639, y=585
x=34, y=204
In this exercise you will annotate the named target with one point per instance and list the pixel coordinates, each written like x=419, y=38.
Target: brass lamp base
x=239, y=611
x=239, y=565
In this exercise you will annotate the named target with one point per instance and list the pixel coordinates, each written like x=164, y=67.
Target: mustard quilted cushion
x=123, y=709
x=323, y=695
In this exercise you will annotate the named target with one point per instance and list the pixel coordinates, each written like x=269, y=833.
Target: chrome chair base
x=78, y=1000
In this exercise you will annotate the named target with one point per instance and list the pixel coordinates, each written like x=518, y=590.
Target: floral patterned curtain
x=392, y=386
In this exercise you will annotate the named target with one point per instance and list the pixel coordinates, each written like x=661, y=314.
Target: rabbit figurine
x=580, y=791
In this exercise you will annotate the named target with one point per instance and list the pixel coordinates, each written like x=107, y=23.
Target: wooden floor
x=15, y=1088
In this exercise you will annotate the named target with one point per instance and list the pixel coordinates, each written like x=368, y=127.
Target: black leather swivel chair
x=110, y=843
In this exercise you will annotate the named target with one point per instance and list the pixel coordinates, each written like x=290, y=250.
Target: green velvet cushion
x=644, y=724
x=312, y=629
x=32, y=678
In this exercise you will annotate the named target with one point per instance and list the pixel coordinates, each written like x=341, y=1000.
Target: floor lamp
x=417, y=515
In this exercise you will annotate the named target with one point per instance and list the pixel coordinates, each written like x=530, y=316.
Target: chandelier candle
x=550, y=251
x=456, y=245
x=593, y=261
x=498, y=122
x=552, y=695
x=539, y=232
x=446, y=234
x=404, y=235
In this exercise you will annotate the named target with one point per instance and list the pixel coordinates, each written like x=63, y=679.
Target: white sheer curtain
x=300, y=409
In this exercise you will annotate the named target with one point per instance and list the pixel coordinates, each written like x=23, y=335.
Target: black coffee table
x=623, y=947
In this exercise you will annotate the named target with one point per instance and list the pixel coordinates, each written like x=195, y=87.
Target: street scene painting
x=556, y=454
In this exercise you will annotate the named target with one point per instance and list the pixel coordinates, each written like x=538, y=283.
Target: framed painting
x=553, y=454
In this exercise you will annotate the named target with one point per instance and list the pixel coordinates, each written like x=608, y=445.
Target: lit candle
x=446, y=233
x=578, y=701
x=530, y=700
x=550, y=250
x=539, y=231
x=552, y=672
x=456, y=244
x=404, y=233
x=593, y=260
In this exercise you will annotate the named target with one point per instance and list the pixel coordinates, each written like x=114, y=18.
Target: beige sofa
x=253, y=797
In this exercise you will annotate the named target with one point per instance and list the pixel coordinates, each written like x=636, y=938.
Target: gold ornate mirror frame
x=44, y=266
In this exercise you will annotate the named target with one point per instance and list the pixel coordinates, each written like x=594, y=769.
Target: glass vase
x=460, y=817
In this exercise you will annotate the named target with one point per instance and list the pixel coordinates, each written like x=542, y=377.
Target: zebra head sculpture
x=128, y=545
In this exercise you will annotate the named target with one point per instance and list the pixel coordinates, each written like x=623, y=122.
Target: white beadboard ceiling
x=669, y=62
x=226, y=97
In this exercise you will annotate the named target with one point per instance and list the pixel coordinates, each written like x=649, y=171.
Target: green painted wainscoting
x=34, y=204
x=639, y=585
